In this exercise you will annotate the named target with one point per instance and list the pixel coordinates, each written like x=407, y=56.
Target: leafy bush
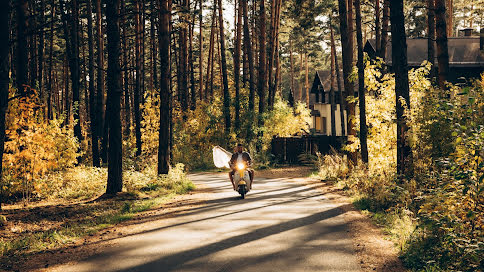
x=34, y=147
x=444, y=202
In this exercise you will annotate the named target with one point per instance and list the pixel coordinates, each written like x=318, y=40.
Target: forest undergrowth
x=74, y=209
x=435, y=217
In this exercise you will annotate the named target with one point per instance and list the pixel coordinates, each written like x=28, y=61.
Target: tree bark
x=238, y=42
x=442, y=47
x=165, y=90
x=431, y=35
x=4, y=79
x=100, y=105
x=361, y=86
x=377, y=26
x=449, y=4
x=273, y=50
x=226, y=103
x=384, y=29
x=400, y=66
x=137, y=89
x=126, y=73
x=200, y=59
x=22, y=53
x=115, y=157
x=306, y=81
x=50, y=114
x=250, y=56
x=154, y=48
x=262, y=79
x=342, y=100
x=193, y=93
x=40, y=50
x=72, y=49
x=291, y=63
x=92, y=90
x=332, y=87
x=183, y=63
x=347, y=52
x=211, y=49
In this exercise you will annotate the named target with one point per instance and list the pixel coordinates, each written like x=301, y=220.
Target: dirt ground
x=375, y=251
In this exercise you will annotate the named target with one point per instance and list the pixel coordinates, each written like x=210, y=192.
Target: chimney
x=467, y=32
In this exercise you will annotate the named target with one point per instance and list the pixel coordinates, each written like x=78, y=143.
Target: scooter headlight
x=240, y=166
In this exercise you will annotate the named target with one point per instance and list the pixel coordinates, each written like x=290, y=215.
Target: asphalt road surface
x=282, y=225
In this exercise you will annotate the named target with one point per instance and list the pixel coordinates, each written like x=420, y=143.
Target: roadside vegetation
x=435, y=217
x=70, y=208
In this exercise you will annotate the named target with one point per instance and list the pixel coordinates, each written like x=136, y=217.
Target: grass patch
x=143, y=191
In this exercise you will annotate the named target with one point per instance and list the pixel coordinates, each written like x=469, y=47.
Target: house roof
x=463, y=51
x=323, y=78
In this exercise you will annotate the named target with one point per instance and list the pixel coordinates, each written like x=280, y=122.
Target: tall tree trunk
x=75, y=68
x=4, y=79
x=32, y=41
x=431, y=35
x=92, y=90
x=351, y=28
x=291, y=63
x=238, y=42
x=72, y=49
x=137, y=89
x=115, y=157
x=270, y=50
x=200, y=46
x=262, y=78
x=154, y=48
x=400, y=66
x=442, y=47
x=165, y=90
x=377, y=26
x=226, y=108
x=22, y=50
x=65, y=98
x=193, y=93
x=40, y=50
x=50, y=114
x=100, y=105
x=361, y=86
x=301, y=68
x=384, y=29
x=306, y=81
x=449, y=14
x=250, y=56
x=347, y=51
x=342, y=101
x=211, y=49
x=273, y=49
x=142, y=24
x=332, y=95
x=126, y=73
x=183, y=63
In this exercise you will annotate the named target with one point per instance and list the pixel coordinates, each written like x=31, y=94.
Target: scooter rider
x=240, y=156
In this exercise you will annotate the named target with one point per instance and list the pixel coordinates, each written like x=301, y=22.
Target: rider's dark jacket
x=245, y=156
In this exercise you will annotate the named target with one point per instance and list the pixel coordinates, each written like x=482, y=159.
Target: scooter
x=241, y=179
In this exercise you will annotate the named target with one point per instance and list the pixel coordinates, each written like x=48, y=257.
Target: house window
x=317, y=122
x=324, y=126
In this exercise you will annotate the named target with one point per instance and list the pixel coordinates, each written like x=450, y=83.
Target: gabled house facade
x=320, y=105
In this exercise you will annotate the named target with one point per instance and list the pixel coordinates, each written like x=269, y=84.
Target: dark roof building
x=466, y=57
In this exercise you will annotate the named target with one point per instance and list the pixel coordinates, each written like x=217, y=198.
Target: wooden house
x=320, y=105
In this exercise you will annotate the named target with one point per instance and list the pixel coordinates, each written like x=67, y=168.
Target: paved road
x=282, y=225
